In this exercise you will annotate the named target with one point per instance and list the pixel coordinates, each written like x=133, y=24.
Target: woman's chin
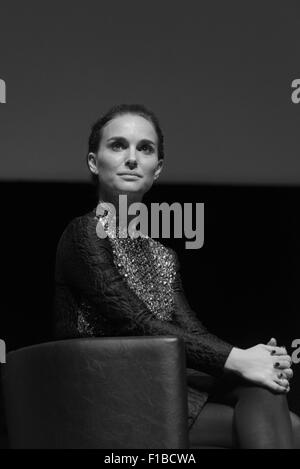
x=129, y=189
x=130, y=186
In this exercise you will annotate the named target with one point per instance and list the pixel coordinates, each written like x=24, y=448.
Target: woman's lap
x=215, y=424
x=213, y=427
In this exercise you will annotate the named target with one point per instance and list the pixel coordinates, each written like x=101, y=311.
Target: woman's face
x=127, y=160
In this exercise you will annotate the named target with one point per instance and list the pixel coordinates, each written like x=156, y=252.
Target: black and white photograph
x=150, y=227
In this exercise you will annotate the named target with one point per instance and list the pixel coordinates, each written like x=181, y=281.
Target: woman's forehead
x=130, y=125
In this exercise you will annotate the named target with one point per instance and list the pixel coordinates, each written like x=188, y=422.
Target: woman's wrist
x=234, y=360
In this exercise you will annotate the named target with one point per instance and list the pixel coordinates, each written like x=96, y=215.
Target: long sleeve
x=186, y=318
x=85, y=264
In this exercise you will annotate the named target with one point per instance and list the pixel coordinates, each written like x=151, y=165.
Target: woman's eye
x=147, y=148
x=117, y=145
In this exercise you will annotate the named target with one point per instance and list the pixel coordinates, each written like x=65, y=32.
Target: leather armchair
x=125, y=392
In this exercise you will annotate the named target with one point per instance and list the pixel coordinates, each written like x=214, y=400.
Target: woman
x=121, y=286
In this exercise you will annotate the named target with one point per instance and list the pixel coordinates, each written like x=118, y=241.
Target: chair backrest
x=120, y=392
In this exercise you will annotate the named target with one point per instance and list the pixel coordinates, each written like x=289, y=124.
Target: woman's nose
x=131, y=164
x=131, y=158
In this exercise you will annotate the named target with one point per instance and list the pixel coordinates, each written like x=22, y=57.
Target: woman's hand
x=266, y=365
x=288, y=372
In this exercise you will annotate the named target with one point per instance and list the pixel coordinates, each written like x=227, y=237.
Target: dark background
x=243, y=283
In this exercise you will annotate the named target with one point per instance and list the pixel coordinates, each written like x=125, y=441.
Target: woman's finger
x=272, y=341
x=278, y=388
x=276, y=350
x=281, y=381
x=282, y=364
x=288, y=373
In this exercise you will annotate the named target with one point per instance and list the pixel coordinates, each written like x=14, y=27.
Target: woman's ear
x=158, y=170
x=92, y=163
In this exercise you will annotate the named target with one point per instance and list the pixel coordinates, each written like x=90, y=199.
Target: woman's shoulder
x=74, y=225
x=82, y=231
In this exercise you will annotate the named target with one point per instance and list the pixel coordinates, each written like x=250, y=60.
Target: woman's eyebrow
x=144, y=140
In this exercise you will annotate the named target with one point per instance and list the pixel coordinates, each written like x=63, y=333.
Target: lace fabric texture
x=129, y=287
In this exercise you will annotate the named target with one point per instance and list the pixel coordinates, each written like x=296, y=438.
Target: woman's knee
x=258, y=398
x=262, y=395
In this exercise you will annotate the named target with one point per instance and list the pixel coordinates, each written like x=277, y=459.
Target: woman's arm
x=254, y=364
x=87, y=265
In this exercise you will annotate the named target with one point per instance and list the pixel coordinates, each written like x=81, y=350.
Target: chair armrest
x=112, y=392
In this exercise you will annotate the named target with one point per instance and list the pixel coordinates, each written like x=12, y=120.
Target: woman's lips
x=129, y=176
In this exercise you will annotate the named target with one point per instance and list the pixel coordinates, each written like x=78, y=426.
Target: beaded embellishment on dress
x=146, y=265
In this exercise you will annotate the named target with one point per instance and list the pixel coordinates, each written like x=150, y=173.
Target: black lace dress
x=131, y=287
